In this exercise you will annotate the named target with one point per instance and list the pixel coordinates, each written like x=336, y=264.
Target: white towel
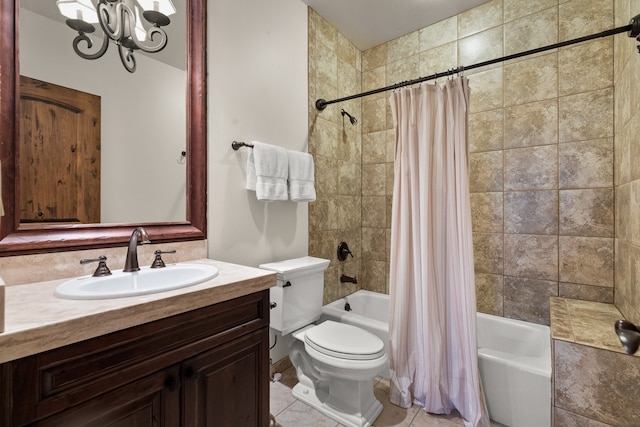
x=301, y=188
x=267, y=171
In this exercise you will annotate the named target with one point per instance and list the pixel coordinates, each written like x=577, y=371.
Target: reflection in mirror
x=143, y=120
x=144, y=177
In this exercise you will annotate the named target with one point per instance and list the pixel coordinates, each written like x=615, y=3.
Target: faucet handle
x=102, y=269
x=158, y=262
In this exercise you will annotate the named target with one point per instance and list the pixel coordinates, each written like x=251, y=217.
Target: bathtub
x=514, y=357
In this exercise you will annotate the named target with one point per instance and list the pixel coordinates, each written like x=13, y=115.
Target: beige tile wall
x=627, y=167
x=541, y=144
x=335, y=216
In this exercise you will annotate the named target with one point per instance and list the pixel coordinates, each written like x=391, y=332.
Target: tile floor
x=290, y=412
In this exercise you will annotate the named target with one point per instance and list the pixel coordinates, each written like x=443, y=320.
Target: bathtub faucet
x=347, y=279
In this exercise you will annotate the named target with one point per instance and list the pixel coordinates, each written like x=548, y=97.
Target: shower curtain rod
x=632, y=29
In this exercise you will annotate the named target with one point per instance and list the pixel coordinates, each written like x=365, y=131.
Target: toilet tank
x=298, y=293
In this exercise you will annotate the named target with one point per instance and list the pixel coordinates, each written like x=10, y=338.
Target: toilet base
x=333, y=405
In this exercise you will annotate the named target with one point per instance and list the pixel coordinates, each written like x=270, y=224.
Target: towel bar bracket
x=236, y=145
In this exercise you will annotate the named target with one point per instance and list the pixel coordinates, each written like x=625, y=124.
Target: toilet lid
x=344, y=341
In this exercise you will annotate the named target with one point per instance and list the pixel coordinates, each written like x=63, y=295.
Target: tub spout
x=347, y=279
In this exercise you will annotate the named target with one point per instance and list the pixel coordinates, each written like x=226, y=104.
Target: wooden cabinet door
x=58, y=154
x=228, y=386
x=153, y=401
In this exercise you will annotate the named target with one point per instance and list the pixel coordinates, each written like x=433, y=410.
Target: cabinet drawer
x=50, y=382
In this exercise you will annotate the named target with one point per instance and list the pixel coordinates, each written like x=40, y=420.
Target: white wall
x=257, y=59
x=257, y=91
x=141, y=179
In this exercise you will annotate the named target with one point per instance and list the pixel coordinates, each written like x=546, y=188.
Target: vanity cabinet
x=206, y=367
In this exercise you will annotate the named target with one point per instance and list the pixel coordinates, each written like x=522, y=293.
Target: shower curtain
x=432, y=325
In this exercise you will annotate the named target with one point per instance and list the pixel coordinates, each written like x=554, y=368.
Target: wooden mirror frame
x=17, y=239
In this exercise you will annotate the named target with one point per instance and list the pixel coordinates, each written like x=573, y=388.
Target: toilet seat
x=344, y=341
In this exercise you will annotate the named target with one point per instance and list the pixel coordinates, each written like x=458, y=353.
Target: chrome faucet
x=131, y=262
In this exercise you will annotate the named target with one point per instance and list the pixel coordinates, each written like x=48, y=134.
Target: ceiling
x=368, y=23
x=173, y=54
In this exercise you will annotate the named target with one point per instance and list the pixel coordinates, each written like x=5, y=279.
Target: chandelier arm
x=151, y=33
x=127, y=58
x=83, y=37
x=108, y=14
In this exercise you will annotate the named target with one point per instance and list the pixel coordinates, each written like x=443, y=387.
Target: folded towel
x=301, y=188
x=267, y=170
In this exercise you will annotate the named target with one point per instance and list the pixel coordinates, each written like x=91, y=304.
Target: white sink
x=146, y=281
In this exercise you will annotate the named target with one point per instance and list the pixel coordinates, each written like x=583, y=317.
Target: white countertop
x=37, y=321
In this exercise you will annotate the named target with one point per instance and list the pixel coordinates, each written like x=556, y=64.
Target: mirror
x=17, y=238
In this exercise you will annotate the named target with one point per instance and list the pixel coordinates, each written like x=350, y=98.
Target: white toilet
x=335, y=362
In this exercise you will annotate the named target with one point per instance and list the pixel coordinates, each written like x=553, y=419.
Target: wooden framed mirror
x=17, y=238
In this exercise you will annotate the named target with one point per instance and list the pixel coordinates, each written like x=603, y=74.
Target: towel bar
x=237, y=144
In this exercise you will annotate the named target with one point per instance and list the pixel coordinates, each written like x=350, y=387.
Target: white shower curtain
x=432, y=326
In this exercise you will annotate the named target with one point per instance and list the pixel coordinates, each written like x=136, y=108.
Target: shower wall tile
x=532, y=31
x=391, y=146
x=325, y=32
x=623, y=212
x=530, y=80
x=326, y=180
x=327, y=65
x=349, y=79
x=326, y=132
x=349, y=143
x=591, y=61
x=568, y=419
x=488, y=251
x=440, y=58
x=347, y=51
x=528, y=299
x=440, y=33
x=486, y=90
x=374, y=79
x=598, y=384
x=587, y=212
x=400, y=71
x=531, y=124
x=587, y=164
x=586, y=292
x=374, y=115
x=403, y=47
x=374, y=276
x=586, y=260
x=481, y=47
x=374, y=210
x=634, y=148
x=586, y=116
x=622, y=153
x=374, y=180
x=480, y=18
x=622, y=104
x=533, y=168
x=531, y=256
x=487, y=212
x=390, y=178
x=349, y=176
x=531, y=212
x=485, y=172
x=486, y=131
x=374, y=147
x=374, y=244
x=514, y=9
x=489, y=293
x=584, y=17
x=374, y=57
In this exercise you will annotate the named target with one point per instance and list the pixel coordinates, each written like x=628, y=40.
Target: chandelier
x=122, y=23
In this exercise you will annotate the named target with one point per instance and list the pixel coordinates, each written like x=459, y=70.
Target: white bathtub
x=514, y=357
